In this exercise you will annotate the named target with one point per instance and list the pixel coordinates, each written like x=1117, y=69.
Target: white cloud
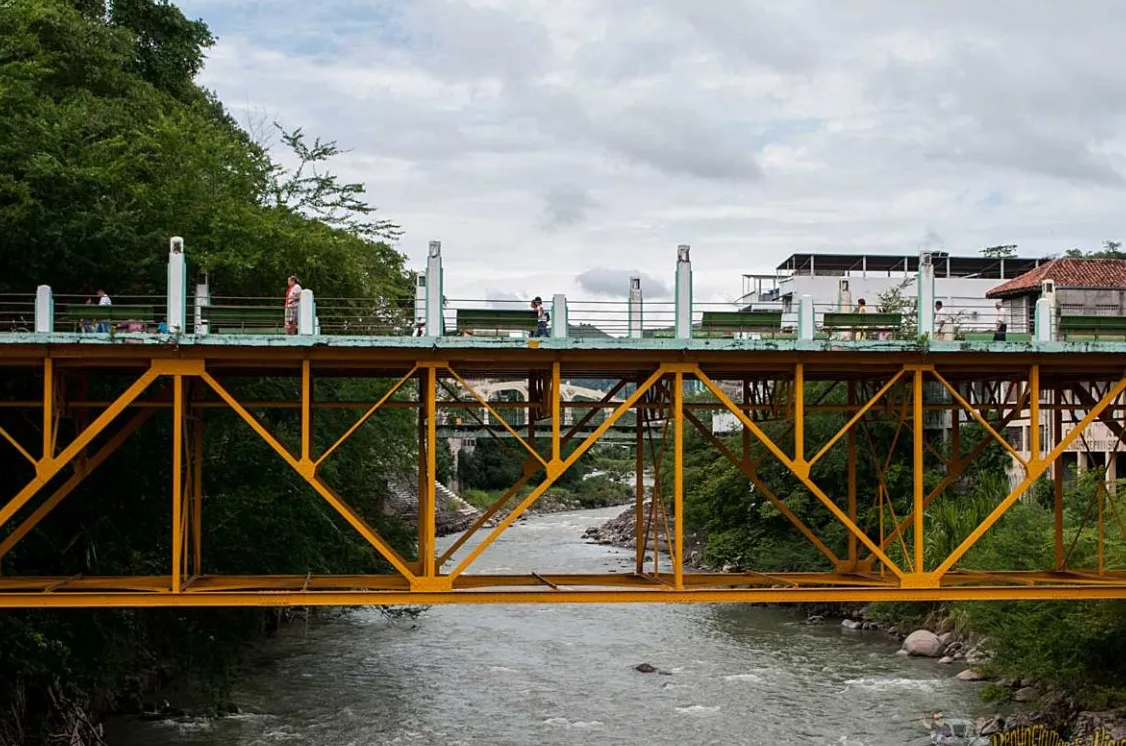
x=539, y=140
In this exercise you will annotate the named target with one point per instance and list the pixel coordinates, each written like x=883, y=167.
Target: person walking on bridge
x=542, y=317
x=292, y=304
x=103, y=301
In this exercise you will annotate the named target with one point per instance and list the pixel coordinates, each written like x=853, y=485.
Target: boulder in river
x=946, y=660
x=923, y=643
x=989, y=725
x=969, y=675
x=852, y=624
x=645, y=668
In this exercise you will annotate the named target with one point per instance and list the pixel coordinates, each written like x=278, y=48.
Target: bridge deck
x=993, y=382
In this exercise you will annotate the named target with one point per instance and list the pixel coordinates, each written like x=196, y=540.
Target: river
x=565, y=675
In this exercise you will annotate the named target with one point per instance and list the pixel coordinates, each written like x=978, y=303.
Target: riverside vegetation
x=107, y=148
x=1062, y=658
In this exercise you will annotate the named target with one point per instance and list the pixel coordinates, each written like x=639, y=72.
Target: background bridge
x=71, y=400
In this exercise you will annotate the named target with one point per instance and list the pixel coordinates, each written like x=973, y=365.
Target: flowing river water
x=565, y=674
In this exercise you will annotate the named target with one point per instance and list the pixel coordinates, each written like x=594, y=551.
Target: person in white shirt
x=1002, y=325
x=103, y=300
x=941, y=322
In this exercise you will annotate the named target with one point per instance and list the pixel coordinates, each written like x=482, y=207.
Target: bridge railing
x=17, y=312
x=376, y=317
x=126, y=313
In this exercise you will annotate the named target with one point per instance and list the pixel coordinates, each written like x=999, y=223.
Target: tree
x=108, y=148
x=1002, y=251
x=1110, y=250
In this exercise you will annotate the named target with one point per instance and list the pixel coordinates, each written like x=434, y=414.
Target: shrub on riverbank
x=107, y=148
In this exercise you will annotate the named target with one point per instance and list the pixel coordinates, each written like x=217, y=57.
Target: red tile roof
x=1067, y=272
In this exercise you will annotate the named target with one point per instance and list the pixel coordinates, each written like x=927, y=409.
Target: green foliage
x=107, y=149
x=1110, y=250
x=1002, y=251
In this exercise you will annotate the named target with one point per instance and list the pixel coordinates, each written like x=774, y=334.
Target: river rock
x=989, y=725
x=969, y=675
x=815, y=619
x=229, y=708
x=946, y=660
x=945, y=638
x=645, y=668
x=923, y=643
x=1026, y=694
x=852, y=624
x=1112, y=723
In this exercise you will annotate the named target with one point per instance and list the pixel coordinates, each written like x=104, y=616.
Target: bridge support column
x=427, y=470
x=434, y=290
x=683, y=292
x=177, y=287
x=1042, y=320
x=177, y=480
x=678, y=479
x=559, y=323
x=44, y=310
x=806, y=318
x=924, y=295
x=635, y=319
x=307, y=314
x=202, y=298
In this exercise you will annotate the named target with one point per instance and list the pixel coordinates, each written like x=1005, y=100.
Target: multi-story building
x=1074, y=287
x=838, y=281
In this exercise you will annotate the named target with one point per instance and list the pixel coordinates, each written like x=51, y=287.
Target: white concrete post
x=419, y=320
x=307, y=314
x=924, y=295
x=434, y=290
x=683, y=292
x=1042, y=319
x=559, y=316
x=805, y=318
x=177, y=306
x=202, y=298
x=44, y=310
x=635, y=318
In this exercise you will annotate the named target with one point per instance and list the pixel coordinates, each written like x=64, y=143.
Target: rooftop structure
x=1071, y=273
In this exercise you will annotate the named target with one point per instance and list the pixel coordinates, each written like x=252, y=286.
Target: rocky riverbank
x=969, y=655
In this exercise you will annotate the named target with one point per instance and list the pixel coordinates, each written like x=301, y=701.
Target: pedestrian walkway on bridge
x=662, y=387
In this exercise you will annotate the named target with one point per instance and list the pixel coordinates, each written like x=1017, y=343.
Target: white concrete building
x=836, y=282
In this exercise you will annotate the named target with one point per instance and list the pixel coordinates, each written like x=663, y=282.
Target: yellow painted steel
x=197, y=496
x=639, y=493
x=177, y=478
x=658, y=401
x=48, y=410
x=427, y=497
x=980, y=419
x=678, y=480
x=15, y=444
x=1034, y=412
x=801, y=471
x=1057, y=487
x=851, y=446
x=81, y=471
x=1035, y=468
x=919, y=471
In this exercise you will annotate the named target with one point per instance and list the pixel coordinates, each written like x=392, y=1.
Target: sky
x=561, y=146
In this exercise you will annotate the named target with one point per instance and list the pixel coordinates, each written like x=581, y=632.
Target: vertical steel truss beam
x=799, y=467
x=307, y=469
x=554, y=469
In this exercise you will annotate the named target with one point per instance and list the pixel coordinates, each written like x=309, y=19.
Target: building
x=837, y=281
x=1075, y=287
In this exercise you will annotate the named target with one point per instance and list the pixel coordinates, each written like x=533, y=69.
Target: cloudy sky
x=561, y=145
